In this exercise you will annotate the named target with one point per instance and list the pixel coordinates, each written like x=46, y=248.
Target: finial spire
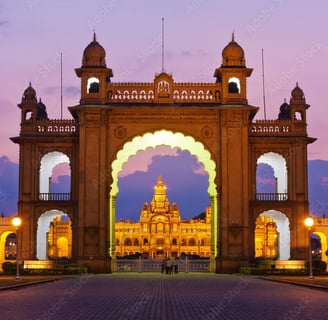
x=94, y=36
x=296, y=84
x=163, y=70
x=233, y=36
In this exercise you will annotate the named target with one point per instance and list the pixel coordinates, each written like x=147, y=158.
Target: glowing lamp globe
x=309, y=222
x=17, y=222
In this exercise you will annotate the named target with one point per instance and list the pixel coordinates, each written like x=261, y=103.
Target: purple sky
x=33, y=33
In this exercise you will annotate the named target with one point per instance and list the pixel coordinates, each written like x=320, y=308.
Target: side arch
x=324, y=245
x=42, y=231
x=283, y=229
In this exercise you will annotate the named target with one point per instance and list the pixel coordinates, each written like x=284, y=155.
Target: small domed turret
x=29, y=95
x=42, y=111
x=297, y=92
x=284, y=113
x=94, y=54
x=297, y=95
x=233, y=54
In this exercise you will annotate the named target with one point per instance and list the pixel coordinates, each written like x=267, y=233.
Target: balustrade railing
x=154, y=265
x=272, y=196
x=54, y=196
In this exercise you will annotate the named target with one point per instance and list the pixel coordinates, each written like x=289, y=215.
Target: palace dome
x=94, y=54
x=233, y=54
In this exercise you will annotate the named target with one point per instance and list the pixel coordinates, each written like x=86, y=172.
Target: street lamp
x=16, y=223
x=309, y=223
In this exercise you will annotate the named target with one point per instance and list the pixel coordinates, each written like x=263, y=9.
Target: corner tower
x=93, y=73
x=233, y=73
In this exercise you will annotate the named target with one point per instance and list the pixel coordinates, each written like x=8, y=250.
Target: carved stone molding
x=207, y=132
x=120, y=132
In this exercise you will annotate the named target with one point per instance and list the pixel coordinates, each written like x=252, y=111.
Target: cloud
x=72, y=91
x=187, y=189
x=143, y=159
x=69, y=91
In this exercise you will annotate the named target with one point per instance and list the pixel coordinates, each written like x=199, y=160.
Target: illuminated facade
x=161, y=232
x=60, y=239
x=213, y=121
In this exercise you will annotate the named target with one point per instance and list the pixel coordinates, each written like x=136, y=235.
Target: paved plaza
x=159, y=296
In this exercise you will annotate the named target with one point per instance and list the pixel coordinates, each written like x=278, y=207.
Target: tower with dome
x=257, y=168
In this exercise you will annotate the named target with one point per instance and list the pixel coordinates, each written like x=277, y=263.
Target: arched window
x=93, y=85
x=127, y=242
x=136, y=242
x=234, y=85
x=55, y=176
x=271, y=175
x=28, y=115
x=174, y=242
x=192, y=242
x=298, y=116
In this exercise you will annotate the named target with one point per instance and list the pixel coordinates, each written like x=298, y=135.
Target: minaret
x=94, y=74
x=298, y=106
x=232, y=74
x=29, y=110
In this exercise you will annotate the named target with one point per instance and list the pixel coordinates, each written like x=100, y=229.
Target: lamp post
x=16, y=223
x=309, y=223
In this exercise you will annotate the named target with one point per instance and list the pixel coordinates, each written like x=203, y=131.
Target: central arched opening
x=173, y=140
x=163, y=195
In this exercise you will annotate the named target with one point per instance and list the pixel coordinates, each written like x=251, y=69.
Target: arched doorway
x=272, y=235
x=324, y=248
x=8, y=246
x=152, y=140
x=54, y=235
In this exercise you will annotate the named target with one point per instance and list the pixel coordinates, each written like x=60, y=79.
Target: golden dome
x=233, y=54
x=94, y=54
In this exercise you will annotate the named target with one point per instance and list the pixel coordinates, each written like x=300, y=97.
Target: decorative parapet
x=163, y=92
x=6, y=221
x=271, y=128
x=55, y=127
x=320, y=221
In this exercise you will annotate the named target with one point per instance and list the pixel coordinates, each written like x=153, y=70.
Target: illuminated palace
x=212, y=120
x=162, y=233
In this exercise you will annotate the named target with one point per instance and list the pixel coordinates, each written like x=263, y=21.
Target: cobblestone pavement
x=157, y=296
